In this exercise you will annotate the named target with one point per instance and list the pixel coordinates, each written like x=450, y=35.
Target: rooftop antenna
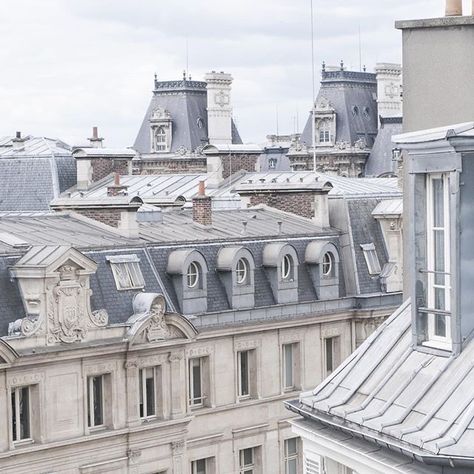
x=277, y=121
x=314, y=88
x=360, y=51
x=187, y=56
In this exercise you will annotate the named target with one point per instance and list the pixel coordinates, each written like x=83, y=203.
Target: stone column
x=178, y=384
x=178, y=448
x=131, y=375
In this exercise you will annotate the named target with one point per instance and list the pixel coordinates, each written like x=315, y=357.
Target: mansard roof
x=186, y=102
x=417, y=403
x=352, y=95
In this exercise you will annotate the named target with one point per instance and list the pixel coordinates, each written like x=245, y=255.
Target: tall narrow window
x=95, y=397
x=247, y=461
x=291, y=456
x=21, y=409
x=147, y=392
x=196, y=393
x=324, y=132
x=161, y=139
x=290, y=366
x=244, y=373
x=331, y=347
x=438, y=259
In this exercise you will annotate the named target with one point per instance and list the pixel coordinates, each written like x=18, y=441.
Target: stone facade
x=170, y=165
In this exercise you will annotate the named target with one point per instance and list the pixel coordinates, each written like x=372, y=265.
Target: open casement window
x=21, y=414
x=198, y=382
x=203, y=466
x=371, y=259
x=127, y=272
x=438, y=262
x=147, y=392
x=246, y=367
x=290, y=358
x=332, y=350
x=95, y=401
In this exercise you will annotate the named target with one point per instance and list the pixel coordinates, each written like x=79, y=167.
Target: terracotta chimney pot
x=453, y=7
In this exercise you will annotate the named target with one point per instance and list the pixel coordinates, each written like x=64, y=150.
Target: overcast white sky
x=67, y=65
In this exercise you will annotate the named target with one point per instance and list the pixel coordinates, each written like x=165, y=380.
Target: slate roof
x=346, y=90
x=411, y=401
x=33, y=146
x=186, y=101
x=281, y=160
x=380, y=160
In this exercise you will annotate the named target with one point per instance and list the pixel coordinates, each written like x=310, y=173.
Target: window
x=242, y=272
x=272, y=163
x=202, y=466
x=127, y=272
x=160, y=138
x=287, y=268
x=290, y=366
x=324, y=132
x=95, y=400
x=247, y=461
x=438, y=258
x=20, y=416
x=147, y=393
x=246, y=365
x=328, y=264
x=371, y=259
x=193, y=275
x=291, y=456
x=332, y=349
x=196, y=381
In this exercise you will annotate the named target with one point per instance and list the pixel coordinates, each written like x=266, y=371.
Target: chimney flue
x=453, y=7
x=95, y=140
x=202, y=207
x=18, y=135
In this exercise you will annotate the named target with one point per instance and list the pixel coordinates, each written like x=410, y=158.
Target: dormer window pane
x=287, y=268
x=161, y=139
x=371, y=259
x=242, y=272
x=193, y=275
x=127, y=272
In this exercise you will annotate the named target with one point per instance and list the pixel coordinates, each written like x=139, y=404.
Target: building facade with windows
x=170, y=347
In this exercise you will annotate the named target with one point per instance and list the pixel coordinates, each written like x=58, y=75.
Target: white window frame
x=196, y=402
x=335, y=343
x=443, y=342
x=90, y=402
x=126, y=271
x=143, y=396
x=247, y=468
x=15, y=422
x=239, y=369
x=371, y=259
x=193, y=275
x=161, y=139
x=328, y=264
x=287, y=268
x=289, y=457
x=208, y=465
x=324, y=132
x=242, y=272
x=289, y=359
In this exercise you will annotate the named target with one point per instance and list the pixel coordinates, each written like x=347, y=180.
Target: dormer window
x=160, y=139
x=438, y=258
x=371, y=259
x=328, y=264
x=242, y=272
x=324, y=132
x=126, y=271
x=287, y=268
x=193, y=275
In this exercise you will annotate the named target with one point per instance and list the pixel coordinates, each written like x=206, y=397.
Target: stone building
x=167, y=342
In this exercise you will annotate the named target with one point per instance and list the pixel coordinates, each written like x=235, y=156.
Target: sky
x=68, y=65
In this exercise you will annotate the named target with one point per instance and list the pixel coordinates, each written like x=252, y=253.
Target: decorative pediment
x=150, y=323
x=323, y=105
x=54, y=284
x=159, y=114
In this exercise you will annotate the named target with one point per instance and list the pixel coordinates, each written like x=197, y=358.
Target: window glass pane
x=199, y=467
x=150, y=392
x=196, y=391
x=140, y=389
x=440, y=326
x=97, y=400
x=329, y=355
x=246, y=457
x=438, y=203
x=291, y=466
x=291, y=446
x=24, y=394
x=288, y=357
x=244, y=373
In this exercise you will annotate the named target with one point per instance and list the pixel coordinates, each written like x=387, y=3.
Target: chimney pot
x=202, y=207
x=95, y=132
x=116, y=179
x=453, y=7
x=202, y=188
x=18, y=135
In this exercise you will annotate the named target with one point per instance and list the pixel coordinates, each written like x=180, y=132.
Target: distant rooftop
x=33, y=146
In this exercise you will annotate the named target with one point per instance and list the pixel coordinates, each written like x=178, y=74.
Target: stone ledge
x=442, y=22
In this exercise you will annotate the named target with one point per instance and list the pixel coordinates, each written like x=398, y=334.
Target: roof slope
x=410, y=400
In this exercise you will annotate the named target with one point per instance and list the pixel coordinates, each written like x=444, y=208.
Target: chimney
x=202, y=207
x=389, y=90
x=95, y=141
x=117, y=188
x=453, y=7
x=18, y=141
x=219, y=108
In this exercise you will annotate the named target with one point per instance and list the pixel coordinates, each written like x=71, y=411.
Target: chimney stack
x=202, y=207
x=453, y=7
x=219, y=108
x=95, y=141
x=18, y=141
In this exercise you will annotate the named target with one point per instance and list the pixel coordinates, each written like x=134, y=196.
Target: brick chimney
x=117, y=189
x=18, y=141
x=95, y=141
x=202, y=207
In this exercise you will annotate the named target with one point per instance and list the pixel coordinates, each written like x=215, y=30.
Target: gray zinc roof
x=186, y=101
x=353, y=96
x=33, y=147
x=380, y=160
x=415, y=402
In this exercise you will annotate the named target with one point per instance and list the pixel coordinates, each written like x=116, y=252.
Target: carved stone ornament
x=61, y=312
x=148, y=324
x=222, y=99
x=160, y=114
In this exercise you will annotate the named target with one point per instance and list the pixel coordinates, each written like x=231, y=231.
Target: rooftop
x=33, y=146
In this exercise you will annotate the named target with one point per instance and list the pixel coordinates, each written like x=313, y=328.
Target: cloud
x=69, y=65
